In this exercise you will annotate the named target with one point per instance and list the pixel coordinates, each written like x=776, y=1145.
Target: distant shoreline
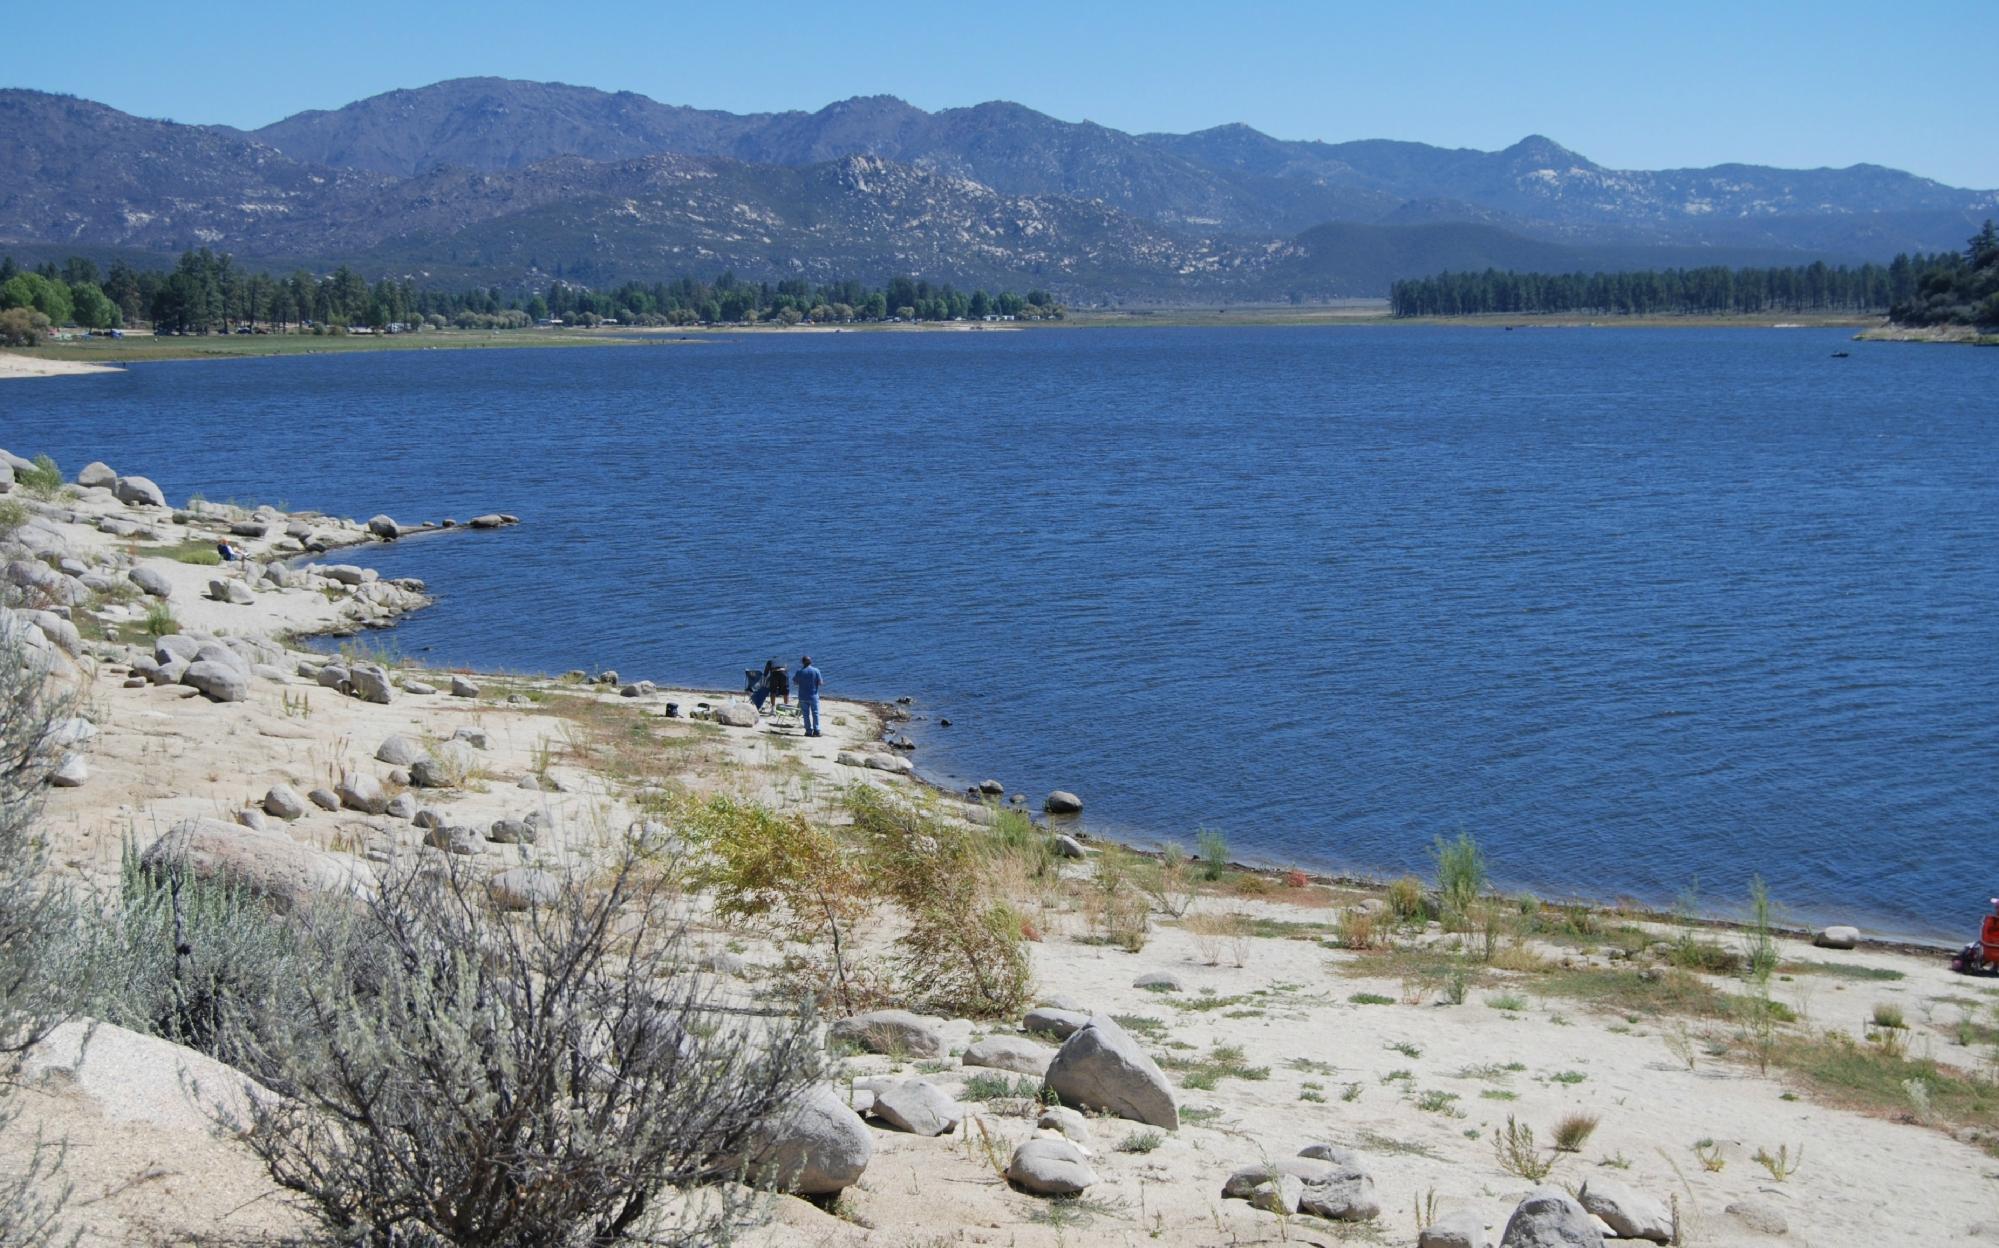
x=108, y=355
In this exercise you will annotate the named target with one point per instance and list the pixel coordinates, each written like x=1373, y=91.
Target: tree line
x=207, y=291
x=1957, y=289
x=1709, y=290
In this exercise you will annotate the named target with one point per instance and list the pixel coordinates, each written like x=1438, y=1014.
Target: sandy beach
x=13, y=364
x=1281, y=1014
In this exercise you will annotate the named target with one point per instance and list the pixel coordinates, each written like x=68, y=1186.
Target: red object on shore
x=1982, y=955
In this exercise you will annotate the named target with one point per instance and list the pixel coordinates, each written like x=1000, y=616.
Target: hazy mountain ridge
x=507, y=179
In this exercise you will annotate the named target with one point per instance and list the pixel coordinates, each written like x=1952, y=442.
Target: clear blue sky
x=1630, y=85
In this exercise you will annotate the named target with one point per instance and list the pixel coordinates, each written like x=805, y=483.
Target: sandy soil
x=1335, y=1045
x=14, y=364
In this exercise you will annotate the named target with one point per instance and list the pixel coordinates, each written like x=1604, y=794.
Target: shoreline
x=1278, y=1015
x=110, y=356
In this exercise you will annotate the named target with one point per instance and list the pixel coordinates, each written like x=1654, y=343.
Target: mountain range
x=498, y=182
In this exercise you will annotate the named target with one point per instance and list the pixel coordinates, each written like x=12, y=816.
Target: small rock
x=511, y=832
x=401, y=806
x=1066, y=846
x=991, y=788
x=1630, y=1214
x=1550, y=1218
x=1067, y=1121
x=487, y=522
x=736, y=715
x=71, y=774
x=1062, y=802
x=1329, y=1152
x=150, y=581
x=463, y=688
x=1159, y=981
x=1050, y=1167
x=1015, y=1053
x=383, y=527
x=1278, y=1194
x=398, y=751
x=455, y=840
x=474, y=737
x=894, y=763
x=250, y=817
x=371, y=684
x=138, y=492
x=362, y=792
x=418, y=688
x=218, y=681
x=1460, y=1228
x=325, y=799
x=97, y=475
x=284, y=802
x=529, y=782
x=890, y=1031
x=919, y=1107
x=427, y=818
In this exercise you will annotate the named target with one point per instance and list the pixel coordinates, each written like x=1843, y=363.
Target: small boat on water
x=1840, y=355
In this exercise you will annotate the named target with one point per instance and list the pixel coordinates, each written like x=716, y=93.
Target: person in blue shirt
x=805, y=683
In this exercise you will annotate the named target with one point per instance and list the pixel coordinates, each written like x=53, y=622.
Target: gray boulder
x=383, y=527
x=263, y=861
x=1102, y=1067
x=445, y=767
x=919, y=1107
x=816, y=1147
x=1838, y=936
x=1280, y=1193
x=1066, y=846
x=398, y=751
x=736, y=715
x=889, y=1031
x=283, y=801
x=371, y=684
x=217, y=680
x=360, y=791
x=1051, y=1020
x=138, y=492
x=1340, y=1191
x=1062, y=802
x=151, y=581
x=401, y=806
x=97, y=475
x=231, y=590
x=325, y=799
x=71, y=773
x=487, y=522
x=1067, y=1121
x=173, y=646
x=455, y=840
x=1461, y=1228
x=1550, y=1218
x=1630, y=1214
x=1050, y=1167
x=1159, y=981
x=463, y=688
x=511, y=832
x=1015, y=1053
x=334, y=676
x=6, y=477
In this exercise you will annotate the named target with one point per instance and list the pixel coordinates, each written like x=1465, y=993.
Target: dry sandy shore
x=14, y=364
x=1354, y=1047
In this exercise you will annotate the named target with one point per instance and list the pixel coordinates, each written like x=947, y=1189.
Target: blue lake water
x=1643, y=610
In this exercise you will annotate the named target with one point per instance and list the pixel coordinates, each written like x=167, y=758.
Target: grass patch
x=195, y=550
x=1224, y=1061
x=1370, y=998
x=1509, y=1001
x=1141, y=1142
x=1141, y=1025
x=994, y=1086
x=1634, y=995
x=1842, y=970
x=1374, y=1141
x=1204, y=1003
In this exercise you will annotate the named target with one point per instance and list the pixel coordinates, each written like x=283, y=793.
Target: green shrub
x=44, y=480
x=1213, y=849
x=1460, y=872
x=160, y=620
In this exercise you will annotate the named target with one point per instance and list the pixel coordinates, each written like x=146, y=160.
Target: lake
x=1646, y=611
